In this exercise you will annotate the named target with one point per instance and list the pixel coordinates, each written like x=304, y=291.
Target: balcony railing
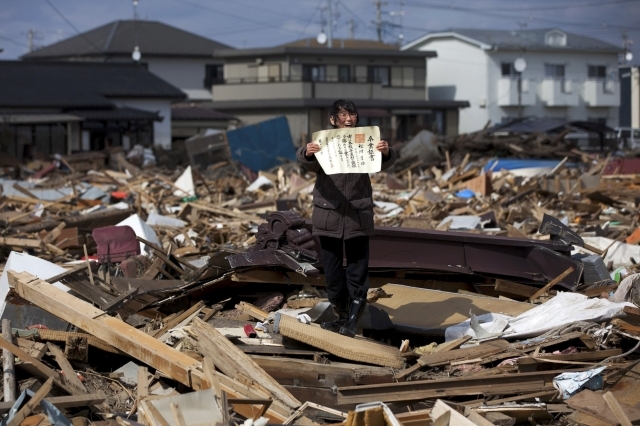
x=558, y=92
x=508, y=92
x=601, y=93
x=256, y=89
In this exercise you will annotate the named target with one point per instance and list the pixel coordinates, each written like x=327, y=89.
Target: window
x=554, y=71
x=597, y=72
x=213, y=74
x=314, y=73
x=508, y=70
x=344, y=73
x=555, y=38
x=376, y=74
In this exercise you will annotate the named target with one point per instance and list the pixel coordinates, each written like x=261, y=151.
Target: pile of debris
x=141, y=295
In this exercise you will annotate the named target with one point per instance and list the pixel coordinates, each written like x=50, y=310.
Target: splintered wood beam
x=121, y=335
x=37, y=368
x=135, y=343
x=232, y=361
x=553, y=282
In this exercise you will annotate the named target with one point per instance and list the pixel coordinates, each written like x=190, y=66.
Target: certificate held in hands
x=349, y=150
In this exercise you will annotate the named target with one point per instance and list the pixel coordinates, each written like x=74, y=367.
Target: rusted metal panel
x=502, y=257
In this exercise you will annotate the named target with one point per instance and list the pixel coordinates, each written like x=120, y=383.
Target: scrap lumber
x=336, y=344
x=308, y=373
x=473, y=352
x=615, y=406
x=39, y=369
x=67, y=401
x=128, y=339
x=549, y=286
x=65, y=366
x=8, y=365
x=33, y=402
x=443, y=388
x=137, y=344
x=233, y=362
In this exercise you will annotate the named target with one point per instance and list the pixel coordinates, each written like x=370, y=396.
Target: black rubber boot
x=355, y=312
x=340, y=309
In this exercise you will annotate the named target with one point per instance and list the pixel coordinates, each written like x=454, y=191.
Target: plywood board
x=416, y=309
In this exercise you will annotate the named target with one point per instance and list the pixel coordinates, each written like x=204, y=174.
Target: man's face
x=344, y=119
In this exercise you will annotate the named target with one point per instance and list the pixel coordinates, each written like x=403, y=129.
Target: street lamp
x=520, y=65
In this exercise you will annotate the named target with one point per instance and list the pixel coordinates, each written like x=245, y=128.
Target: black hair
x=343, y=105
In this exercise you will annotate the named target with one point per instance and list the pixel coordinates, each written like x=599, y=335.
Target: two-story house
x=301, y=80
x=566, y=76
x=183, y=59
x=64, y=107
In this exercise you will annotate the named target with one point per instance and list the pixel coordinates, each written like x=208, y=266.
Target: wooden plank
x=36, y=367
x=523, y=397
x=516, y=289
x=445, y=347
x=354, y=350
x=553, y=282
x=179, y=318
x=596, y=291
x=614, y=405
x=65, y=366
x=67, y=273
x=232, y=361
x=20, y=242
x=113, y=331
x=530, y=363
x=68, y=401
x=483, y=349
x=8, y=364
x=137, y=344
x=253, y=311
x=34, y=401
x=307, y=373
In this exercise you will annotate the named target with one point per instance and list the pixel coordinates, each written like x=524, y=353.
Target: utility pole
x=32, y=36
x=330, y=32
x=352, y=28
x=379, y=19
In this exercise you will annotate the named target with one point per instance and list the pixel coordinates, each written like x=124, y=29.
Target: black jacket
x=343, y=202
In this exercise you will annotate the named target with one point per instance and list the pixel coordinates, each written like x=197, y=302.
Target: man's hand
x=312, y=148
x=381, y=146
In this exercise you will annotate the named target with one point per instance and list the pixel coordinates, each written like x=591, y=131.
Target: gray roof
x=529, y=39
x=77, y=84
x=323, y=51
x=119, y=38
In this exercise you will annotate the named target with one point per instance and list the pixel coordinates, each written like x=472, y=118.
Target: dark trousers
x=352, y=282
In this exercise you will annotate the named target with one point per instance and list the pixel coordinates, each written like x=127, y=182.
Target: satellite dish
x=136, y=55
x=628, y=57
x=322, y=38
x=519, y=64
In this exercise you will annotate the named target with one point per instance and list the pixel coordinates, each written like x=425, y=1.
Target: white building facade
x=566, y=76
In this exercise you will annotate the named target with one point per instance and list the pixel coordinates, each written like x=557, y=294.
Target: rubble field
x=504, y=290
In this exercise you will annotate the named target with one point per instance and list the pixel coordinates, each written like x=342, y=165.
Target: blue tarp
x=258, y=146
x=515, y=163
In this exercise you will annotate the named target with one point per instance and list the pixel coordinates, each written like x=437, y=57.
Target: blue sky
x=257, y=23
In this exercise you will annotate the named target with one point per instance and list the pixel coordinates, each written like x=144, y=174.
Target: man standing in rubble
x=343, y=219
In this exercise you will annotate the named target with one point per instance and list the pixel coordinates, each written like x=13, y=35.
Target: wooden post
x=8, y=365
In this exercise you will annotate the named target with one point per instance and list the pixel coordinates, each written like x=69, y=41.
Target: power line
x=64, y=18
x=10, y=40
x=261, y=23
x=311, y=19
